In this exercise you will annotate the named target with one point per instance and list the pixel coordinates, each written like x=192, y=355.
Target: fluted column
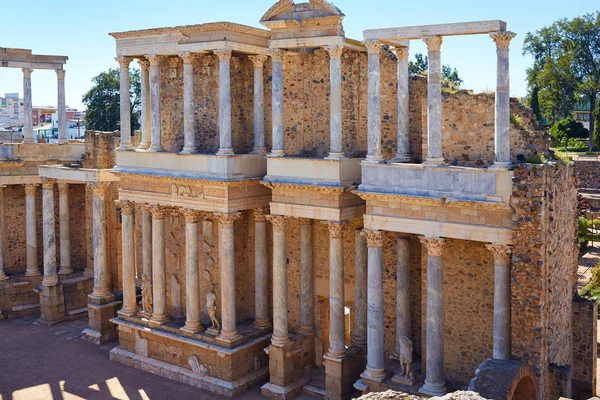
x=145, y=89
x=28, y=106
x=434, y=101
x=359, y=337
x=192, y=273
x=337, y=347
x=280, y=308
x=435, y=381
x=502, y=130
x=48, y=228
x=64, y=229
x=125, y=102
x=336, y=146
x=146, y=246
x=259, y=104
x=33, y=268
x=403, y=146
x=159, y=267
x=374, y=154
x=229, y=332
x=62, y=107
x=225, y=147
x=403, y=291
x=101, y=287
x=261, y=268
x=502, y=319
x=3, y=275
x=189, y=134
x=128, y=258
x=307, y=290
x=155, y=119
x=277, y=123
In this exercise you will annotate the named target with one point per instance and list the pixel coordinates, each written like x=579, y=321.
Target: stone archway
x=504, y=379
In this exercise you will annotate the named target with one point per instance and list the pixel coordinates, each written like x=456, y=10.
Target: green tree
x=103, y=102
x=568, y=128
x=534, y=102
x=566, y=65
x=421, y=64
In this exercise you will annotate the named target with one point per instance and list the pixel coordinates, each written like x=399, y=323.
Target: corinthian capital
x=227, y=220
x=373, y=46
x=278, y=222
x=401, y=53
x=155, y=60
x=30, y=190
x=223, y=54
x=99, y=188
x=187, y=57
x=258, y=60
x=260, y=214
x=63, y=189
x=336, y=229
x=434, y=43
x=193, y=216
x=27, y=72
x=48, y=183
x=502, y=39
x=277, y=55
x=501, y=253
x=60, y=75
x=335, y=51
x=143, y=63
x=434, y=245
x=374, y=238
x=124, y=61
x=127, y=207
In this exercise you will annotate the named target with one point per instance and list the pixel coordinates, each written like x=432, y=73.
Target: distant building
x=48, y=125
x=11, y=109
x=583, y=112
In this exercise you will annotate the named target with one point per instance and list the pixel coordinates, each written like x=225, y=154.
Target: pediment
x=287, y=10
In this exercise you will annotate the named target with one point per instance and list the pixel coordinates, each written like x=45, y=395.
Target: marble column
x=435, y=381
x=261, y=268
x=403, y=146
x=101, y=275
x=229, y=332
x=155, y=120
x=502, y=319
x=336, y=147
x=189, y=134
x=502, y=123
x=403, y=291
x=277, y=122
x=62, y=107
x=146, y=116
x=28, y=106
x=49, y=233
x=33, y=268
x=374, y=154
x=64, y=229
x=375, y=370
x=192, y=272
x=337, y=346
x=128, y=258
x=125, y=102
x=259, y=104
x=3, y=275
x=359, y=337
x=159, y=266
x=280, y=307
x=225, y=146
x=146, y=248
x=434, y=101
x=307, y=290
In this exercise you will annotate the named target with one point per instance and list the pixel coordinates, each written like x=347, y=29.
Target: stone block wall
x=100, y=149
x=585, y=348
x=588, y=175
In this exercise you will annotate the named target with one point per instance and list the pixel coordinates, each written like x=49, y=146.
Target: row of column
x=28, y=107
x=434, y=102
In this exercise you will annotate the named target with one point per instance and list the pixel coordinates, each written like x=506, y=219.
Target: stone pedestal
x=52, y=305
x=340, y=374
x=100, y=312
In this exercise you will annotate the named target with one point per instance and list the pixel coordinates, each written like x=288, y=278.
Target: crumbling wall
x=100, y=149
x=588, y=175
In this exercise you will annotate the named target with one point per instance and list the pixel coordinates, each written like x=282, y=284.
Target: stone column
x=374, y=154
x=435, y=381
x=3, y=275
x=403, y=149
x=229, y=333
x=359, y=338
x=225, y=147
x=145, y=88
x=502, y=136
x=28, y=106
x=64, y=229
x=336, y=147
x=147, y=247
x=128, y=258
x=159, y=267
x=261, y=268
x=62, y=107
x=307, y=291
x=101, y=287
x=337, y=347
x=434, y=101
x=49, y=233
x=502, y=320
x=277, y=149
x=259, y=104
x=192, y=273
x=189, y=134
x=280, y=307
x=403, y=291
x=33, y=268
x=125, y=102
x=155, y=120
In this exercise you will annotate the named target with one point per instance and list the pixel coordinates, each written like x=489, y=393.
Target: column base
x=501, y=165
x=404, y=380
x=127, y=313
x=52, y=305
x=401, y=158
x=262, y=324
x=188, y=150
x=143, y=147
x=156, y=149
x=28, y=141
x=341, y=374
x=159, y=319
x=374, y=375
x=279, y=341
x=291, y=391
x=50, y=280
x=125, y=147
x=305, y=330
x=335, y=156
x=230, y=340
x=63, y=141
x=374, y=160
x=191, y=329
x=101, y=298
x=33, y=272
x=65, y=271
x=259, y=150
x=434, y=162
x=431, y=389
x=276, y=153
x=225, y=152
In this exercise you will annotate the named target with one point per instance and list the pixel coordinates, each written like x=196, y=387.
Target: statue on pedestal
x=146, y=294
x=211, y=307
x=405, y=375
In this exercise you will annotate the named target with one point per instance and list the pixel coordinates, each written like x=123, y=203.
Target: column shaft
x=159, y=267
x=146, y=247
x=403, y=291
x=336, y=149
x=307, y=314
x=2, y=273
x=146, y=117
x=337, y=347
x=64, y=229
x=189, y=134
x=277, y=104
x=374, y=154
x=225, y=148
x=280, y=306
x=403, y=150
x=62, y=107
x=192, y=274
x=31, y=231
x=155, y=120
x=125, y=103
x=360, y=290
x=48, y=227
x=261, y=268
x=28, y=107
x=100, y=263
x=128, y=258
x=259, y=104
x=502, y=308
x=434, y=101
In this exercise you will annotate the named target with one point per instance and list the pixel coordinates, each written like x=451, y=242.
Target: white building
x=49, y=131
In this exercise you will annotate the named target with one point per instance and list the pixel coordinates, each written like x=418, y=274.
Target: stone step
x=25, y=307
x=21, y=284
x=78, y=311
x=314, y=391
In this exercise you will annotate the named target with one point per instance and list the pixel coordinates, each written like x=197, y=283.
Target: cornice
x=208, y=27
x=297, y=187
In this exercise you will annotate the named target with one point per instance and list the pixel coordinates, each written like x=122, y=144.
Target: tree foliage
x=103, y=101
x=566, y=129
x=421, y=65
x=566, y=66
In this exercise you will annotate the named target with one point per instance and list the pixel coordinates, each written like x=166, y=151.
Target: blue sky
x=79, y=29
